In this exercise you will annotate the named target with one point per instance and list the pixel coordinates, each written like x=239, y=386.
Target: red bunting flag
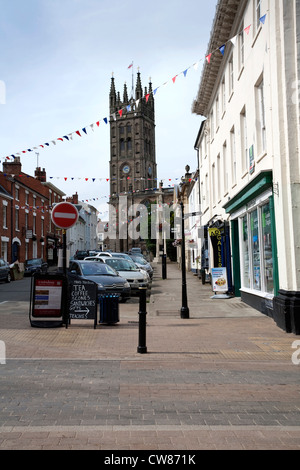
x=174, y=78
x=77, y=132
x=120, y=112
x=147, y=97
x=247, y=29
x=208, y=57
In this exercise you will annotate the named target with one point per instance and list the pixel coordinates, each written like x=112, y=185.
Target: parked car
x=128, y=269
x=35, y=265
x=109, y=282
x=81, y=254
x=142, y=264
x=4, y=271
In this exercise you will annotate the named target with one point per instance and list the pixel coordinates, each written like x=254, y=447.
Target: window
x=212, y=127
x=129, y=145
x=244, y=144
x=261, y=124
x=256, y=249
x=219, y=177
x=4, y=214
x=16, y=218
x=233, y=155
x=26, y=198
x=34, y=224
x=257, y=13
x=225, y=168
x=122, y=145
x=214, y=184
x=267, y=248
x=245, y=264
x=241, y=49
x=223, y=96
x=231, y=77
x=217, y=113
x=17, y=193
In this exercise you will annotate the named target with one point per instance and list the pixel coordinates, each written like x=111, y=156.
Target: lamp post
x=184, y=311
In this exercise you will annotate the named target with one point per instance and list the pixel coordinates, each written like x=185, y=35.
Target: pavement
x=226, y=378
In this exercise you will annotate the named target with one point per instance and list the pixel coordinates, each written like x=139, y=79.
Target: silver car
x=126, y=268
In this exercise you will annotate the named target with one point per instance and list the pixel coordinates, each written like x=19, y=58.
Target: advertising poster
x=219, y=279
x=47, y=298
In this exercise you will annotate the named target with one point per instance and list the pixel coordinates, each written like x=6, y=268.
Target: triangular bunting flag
x=247, y=29
x=233, y=40
x=222, y=49
x=196, y=65
x=78, y=133
x=98, y=123
x=147, y=97
x=120, y=112
x=263, y=19
x=84, y=130
x=174, y=79
x=185, y=72
x=208, y=57
x=105, y=120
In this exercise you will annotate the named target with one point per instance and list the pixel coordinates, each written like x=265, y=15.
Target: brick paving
x=221, y=379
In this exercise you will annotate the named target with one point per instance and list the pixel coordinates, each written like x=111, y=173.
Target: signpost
x=64, y=215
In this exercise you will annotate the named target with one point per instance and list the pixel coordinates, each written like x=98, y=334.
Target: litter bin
x=109, y=308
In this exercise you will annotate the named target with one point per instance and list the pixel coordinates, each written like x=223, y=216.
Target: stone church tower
x=133, y=172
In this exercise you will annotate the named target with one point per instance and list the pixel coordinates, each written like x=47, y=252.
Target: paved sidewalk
x=221, y=379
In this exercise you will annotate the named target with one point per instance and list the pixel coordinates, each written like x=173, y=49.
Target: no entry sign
x=64, y=215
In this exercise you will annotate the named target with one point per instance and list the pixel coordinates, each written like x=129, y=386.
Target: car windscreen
x=96, y=269
x=121, y=264
x=33, y=262
x=139, y=260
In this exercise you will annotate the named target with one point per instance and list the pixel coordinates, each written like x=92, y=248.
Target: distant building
x=133, y=169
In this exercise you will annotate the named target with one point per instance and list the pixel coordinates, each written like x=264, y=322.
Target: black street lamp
x=184, y=311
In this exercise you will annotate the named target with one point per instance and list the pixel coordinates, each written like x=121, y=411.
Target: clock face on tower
x=126, y=169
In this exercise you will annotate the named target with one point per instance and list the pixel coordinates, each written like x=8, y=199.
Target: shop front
x=254, y=246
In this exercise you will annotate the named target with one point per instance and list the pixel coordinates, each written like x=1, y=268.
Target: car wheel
x=8, y=279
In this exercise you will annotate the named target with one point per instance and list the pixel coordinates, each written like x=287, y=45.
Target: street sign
x=64, y=215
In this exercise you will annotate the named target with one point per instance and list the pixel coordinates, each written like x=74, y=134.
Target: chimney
x=40, y=174
x=13, y=168
x=73, y=199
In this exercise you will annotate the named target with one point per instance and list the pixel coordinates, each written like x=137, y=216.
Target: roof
x=221, y=32
x=5, y=193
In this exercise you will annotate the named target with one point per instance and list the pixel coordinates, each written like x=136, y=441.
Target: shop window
x=267, y=249
x=245, y=253
x=255, y=249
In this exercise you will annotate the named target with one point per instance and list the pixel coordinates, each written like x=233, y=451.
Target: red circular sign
x=64, y=215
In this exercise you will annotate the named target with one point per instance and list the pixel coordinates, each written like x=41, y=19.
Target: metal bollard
x=142, y=348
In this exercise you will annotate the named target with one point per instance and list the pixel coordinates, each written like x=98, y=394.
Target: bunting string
x=130, y=107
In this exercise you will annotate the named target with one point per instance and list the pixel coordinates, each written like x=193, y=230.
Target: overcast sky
x=57, y=59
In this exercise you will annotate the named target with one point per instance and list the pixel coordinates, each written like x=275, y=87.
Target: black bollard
x=142, y=348
x=164, y=266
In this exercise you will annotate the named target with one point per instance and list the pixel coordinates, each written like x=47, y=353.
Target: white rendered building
x=249, y=152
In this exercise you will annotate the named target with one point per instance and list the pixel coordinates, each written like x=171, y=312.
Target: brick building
x=26, y=230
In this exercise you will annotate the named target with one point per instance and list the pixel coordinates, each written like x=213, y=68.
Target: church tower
x=133, y=171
